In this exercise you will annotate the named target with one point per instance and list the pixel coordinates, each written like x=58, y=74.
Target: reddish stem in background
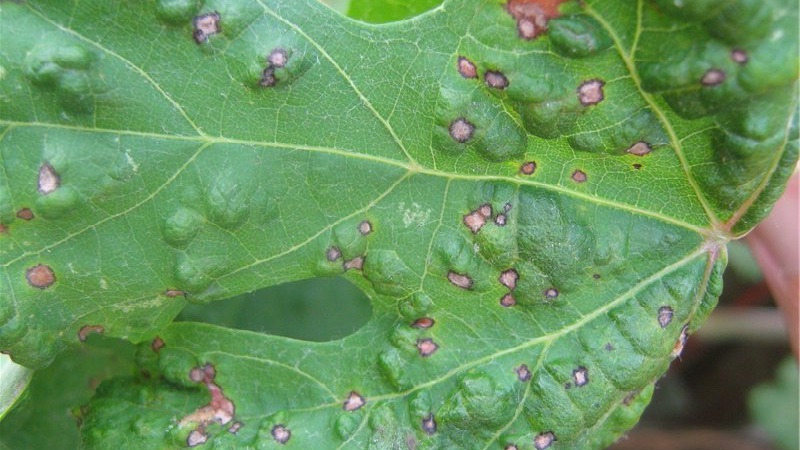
x=776, y=246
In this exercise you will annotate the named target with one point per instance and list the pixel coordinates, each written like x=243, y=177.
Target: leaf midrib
x=410, y=168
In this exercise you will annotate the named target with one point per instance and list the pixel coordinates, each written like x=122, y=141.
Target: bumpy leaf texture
x=535, y=195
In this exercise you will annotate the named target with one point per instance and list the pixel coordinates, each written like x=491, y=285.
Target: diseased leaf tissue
x=535, y=195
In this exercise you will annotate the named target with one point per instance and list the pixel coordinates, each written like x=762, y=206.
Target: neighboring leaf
x=389, y=10
x=48, y=417
x=14, y=380
x=774, y=406
x=537, y=210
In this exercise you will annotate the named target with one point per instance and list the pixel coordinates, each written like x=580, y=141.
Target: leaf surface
x=539, y=216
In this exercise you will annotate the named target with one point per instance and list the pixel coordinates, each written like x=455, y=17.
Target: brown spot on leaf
x=172, y=293
x=461, y=130
x=523, y=373
x=365, y=228
x=206, y=25
x=681, y=342
x=423, y=322
x=196, y=437
x=268, y=77
x=278, y=58
x=713, y=77
x=83, y=333
x=48, y=179
x=3, y=228
x=281, y=434
x=739, y=56
x=579, y=176
x=596, y=276
x=235, y=427
x=636, y=166
x=629, y=398
x=640, y=148
x=40, y=276
x=580, y=376
x=356, y=263
x=532, y=15
x=354, y=401
x=508, y=301
x=511, y=447
x=220, y=409
x=500, y=220
x=528, y=168
x=474, y=221
x=551, y=293
x=25, y=214
x=429, y=424
x=544, y=440
x=495, y=79
x=333, y=253
x=509, y=278
x=591, y=92
x=466, y=68
x=665, y=314
x=462, y=281
x=157, y=344
x=427, y=347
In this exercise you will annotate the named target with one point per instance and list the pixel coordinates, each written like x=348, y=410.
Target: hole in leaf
x=320, y=309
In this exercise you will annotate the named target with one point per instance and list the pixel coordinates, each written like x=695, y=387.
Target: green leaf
x=48, y=415
x=537, y=214
x=389, y=10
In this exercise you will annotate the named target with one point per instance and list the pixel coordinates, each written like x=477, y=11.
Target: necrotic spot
x=195, y=438
x=528, y=168
x=580, y=376
x=157, y=344
x=523, y=373
x=740, y=56
x=551, y=293
x=365, y=228
x=665, y=314
x=579, y=176
x=713, y=77
x=544, y=440
x=509, y=278
x=462, y=281
x=427, y=347
x=48, y=179
x=40, y=276
x=466, y=68
x=508, y=301
x=281, y=434
x=495, y=79
x=461, y=130
x=591, y=92
x=278, y=58
x=333, y=253
x=356, y=263
x=25, y=214
x=640, y=148
x=354, y=401
x=206, y=25
x=429, y=424
x=84, y=332
x=423, y=322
